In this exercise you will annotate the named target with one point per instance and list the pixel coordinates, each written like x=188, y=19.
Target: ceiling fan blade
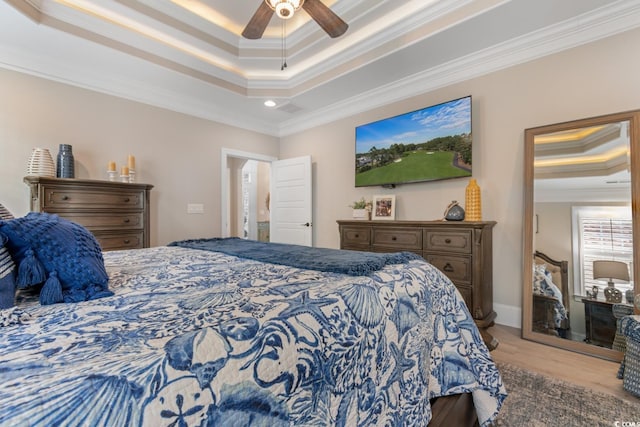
x=258, y=23
x=329, y=21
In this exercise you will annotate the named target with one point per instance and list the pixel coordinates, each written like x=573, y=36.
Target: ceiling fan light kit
x=331, y=23
x=284, y=8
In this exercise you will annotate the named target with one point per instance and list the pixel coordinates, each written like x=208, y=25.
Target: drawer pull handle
x=65, y=197
x=447, y=241
x=357, y=235
x=127, y=220
x=448, y=268
x=394, y=238
x=127, y=200
x=126, y=241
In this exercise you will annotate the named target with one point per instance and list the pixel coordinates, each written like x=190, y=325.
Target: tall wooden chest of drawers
x=116, y=213
x=462, y=250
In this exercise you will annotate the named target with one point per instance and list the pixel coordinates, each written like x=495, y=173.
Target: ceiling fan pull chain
x=284, y=45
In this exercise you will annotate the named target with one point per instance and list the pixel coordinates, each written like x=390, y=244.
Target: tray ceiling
x=189, y=56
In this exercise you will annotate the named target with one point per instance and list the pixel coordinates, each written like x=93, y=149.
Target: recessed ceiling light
x=269, y=103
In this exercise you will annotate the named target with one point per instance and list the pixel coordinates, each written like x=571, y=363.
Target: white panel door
x=291, y=220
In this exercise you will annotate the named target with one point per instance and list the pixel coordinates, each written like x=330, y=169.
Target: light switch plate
x=195, y=208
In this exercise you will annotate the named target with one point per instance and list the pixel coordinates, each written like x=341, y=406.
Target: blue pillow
x=7, y=275
x=62, y=255
x=4, y=213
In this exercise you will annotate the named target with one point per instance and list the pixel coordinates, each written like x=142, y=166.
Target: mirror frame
x=633, y=117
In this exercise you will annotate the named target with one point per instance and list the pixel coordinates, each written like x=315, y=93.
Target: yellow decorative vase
x=472, y=202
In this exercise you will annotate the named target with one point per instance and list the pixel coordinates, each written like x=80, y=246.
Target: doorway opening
x=246, y=195
x=289, y=198
x=253, y=213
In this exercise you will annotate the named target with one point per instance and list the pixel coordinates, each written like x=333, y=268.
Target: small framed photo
x=384, y=207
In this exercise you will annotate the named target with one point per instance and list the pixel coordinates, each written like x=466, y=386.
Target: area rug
x=537, y=400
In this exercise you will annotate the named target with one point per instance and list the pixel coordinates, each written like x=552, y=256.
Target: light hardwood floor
x=587, y=371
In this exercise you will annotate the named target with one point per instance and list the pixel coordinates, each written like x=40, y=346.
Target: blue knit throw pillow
x=62, y=255
x=4, y=213
x=7, y=275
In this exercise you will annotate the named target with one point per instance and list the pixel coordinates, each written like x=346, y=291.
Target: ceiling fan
x=329, y=21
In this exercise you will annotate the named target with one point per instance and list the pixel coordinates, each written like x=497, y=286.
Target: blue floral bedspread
x=198, y=338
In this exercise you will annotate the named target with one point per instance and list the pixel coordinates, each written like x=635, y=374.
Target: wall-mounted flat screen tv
x=429, y=144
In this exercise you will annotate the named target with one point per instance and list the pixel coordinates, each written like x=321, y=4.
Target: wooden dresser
x=116, y=213
x=461, y=250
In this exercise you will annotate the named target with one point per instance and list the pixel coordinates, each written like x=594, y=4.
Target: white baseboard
x=508, y=315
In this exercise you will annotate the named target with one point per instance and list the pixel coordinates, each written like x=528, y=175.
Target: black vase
x=64, y=166
x=454, y=212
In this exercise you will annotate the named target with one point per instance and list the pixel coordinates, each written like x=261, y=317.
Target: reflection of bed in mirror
x=550, y=296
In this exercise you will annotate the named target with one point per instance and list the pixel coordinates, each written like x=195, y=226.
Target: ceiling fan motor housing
x=285, y=8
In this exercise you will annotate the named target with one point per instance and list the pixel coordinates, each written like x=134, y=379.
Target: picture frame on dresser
x=384, y=207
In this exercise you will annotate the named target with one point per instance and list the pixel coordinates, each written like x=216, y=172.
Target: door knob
x=306, y=224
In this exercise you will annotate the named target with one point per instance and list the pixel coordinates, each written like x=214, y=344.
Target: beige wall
x=586, y=81
x=553, y=236
x=178, y=154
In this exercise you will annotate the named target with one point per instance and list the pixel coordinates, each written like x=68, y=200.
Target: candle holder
x=112, y=175
x=131, y=165
x=124, y=178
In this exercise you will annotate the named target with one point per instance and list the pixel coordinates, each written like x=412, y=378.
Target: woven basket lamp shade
x=472, y=202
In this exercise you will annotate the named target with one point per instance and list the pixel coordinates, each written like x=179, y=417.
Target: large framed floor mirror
x=581, y=221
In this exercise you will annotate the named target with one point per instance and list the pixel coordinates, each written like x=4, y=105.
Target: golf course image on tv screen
x=429, y=144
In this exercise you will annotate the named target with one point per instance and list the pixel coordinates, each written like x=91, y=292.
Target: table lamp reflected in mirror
x=611, y=270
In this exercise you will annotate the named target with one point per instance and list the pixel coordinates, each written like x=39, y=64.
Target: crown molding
x=607, y=21
x=593, y=26
x=365, y=46
x=401, y=34
x=131, y=90
x=584, y=195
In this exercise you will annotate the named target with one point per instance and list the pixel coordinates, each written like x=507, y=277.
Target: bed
x=197, y=334
x=550, y=296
